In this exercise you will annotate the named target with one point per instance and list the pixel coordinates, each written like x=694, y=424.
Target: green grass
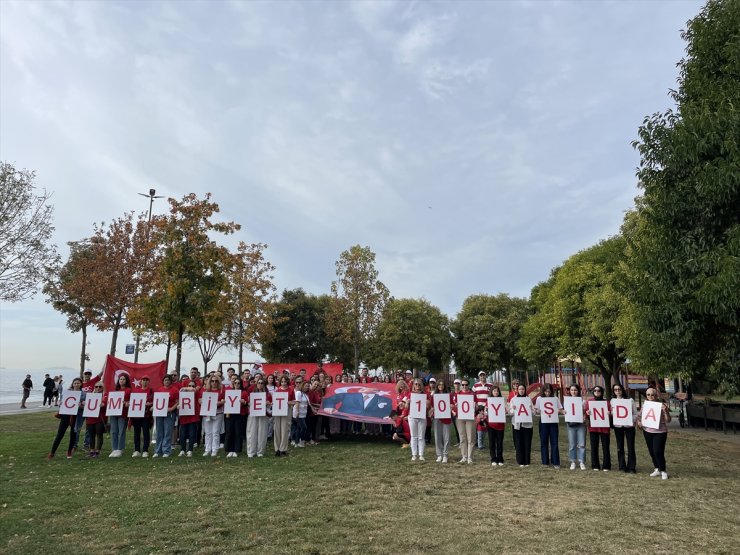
x=360, y=497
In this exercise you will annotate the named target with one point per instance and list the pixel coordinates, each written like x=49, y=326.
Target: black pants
x=233, y=425
x=188, y=432
x=628, y=434
x=142, y=427
x=311, y=426
x=496, y=445
x=656, y=448
x=48, y=395
x=96, y=431
x=243, y=431
x=523, y=445
x=597, y=438
x=64, y=423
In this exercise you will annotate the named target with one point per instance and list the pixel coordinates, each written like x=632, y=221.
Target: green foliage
x=487, y=332
x=412, y=334
x=683, y=268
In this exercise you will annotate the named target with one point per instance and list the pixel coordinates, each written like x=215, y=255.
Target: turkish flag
x=115, y=367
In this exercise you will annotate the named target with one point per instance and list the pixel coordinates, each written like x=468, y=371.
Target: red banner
x=114, y=367
x=371, y=402
x=331, y=368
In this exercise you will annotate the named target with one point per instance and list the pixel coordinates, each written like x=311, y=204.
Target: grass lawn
x=360, y=497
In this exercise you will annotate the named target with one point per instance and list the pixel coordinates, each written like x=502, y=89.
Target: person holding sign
x=576, y=427
x=236, y=399
x=212, y=410
x=624, y=407
x=68, y=420
x=165, y=420
x=280, y=415
x=442, y=420
x=520, y=409
x=95, y=426
x=654, y=418
x=417, y=417
x=463, y=406
x=142, y=425
x=118, y=423
x=258, y=399
x=188, y=415
x=548, y=407
x=496, y=413
x=597, y=410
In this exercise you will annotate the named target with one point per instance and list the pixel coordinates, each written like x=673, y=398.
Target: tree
x=683, y=266
x=412, y=334
x=69, y=291
x=538, y=342
x=487, y=332
x=251, y=297
x=191, y=280
x=25, y=230
x=358, y=299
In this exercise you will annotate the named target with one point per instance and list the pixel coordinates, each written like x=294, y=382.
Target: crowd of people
x=240, y=433
x=52, y=390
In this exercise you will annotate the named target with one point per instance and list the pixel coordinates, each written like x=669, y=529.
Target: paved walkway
x=14, y=408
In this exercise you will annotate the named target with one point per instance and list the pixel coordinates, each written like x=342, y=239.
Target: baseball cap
x=457, y=381
x=87, y=372
x=432, y=380
x=481, y=373
x=409, y=372
x=145, y=378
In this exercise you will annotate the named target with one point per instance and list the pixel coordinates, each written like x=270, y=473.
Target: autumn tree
x=25, y=230
x=358, y=299
x=69, y=291
x=191, y=285
x=487, y=332
x=412, y=334
x=251, y=296
x=684, y=243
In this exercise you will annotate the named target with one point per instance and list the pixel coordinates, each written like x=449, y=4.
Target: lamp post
x=151, y=196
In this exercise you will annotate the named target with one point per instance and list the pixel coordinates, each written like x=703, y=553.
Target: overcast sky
x=473, y=146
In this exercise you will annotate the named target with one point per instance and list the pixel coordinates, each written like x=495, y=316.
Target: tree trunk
x=178, y=351
x=241, y=355
x=83, y=358
x=114, y=340
x=356, y=345
x=169, y=346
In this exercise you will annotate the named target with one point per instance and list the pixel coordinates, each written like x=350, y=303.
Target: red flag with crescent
x=114, y=367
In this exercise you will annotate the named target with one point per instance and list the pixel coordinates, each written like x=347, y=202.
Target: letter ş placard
x=93, y=402
x=280, y=403
x=573, y=409
x=70, y=402
x=548, y=410
x=232, y=401
x=442, y=406
x=137, y=405
x=115, y=403
x=186, y=403
x=161, y=402
x=418, y=406
x=496, y=410
x=622, y=412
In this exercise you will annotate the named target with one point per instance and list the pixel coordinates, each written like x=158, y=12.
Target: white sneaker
x=112, y=455
x=493, y=464
x=145, y=455
x=165, y=455
x=583, y=466
x=190, y=454
x=655, y=473
x=292, y=443
x=155, y=456
x=421, y=458
x=439, y=459
x=135, y=455
x=463, y=460
x=444, y=460
x=206, y=453
x=521, y=466
x=413, y=458
x=470, y=461
x=220, y=445
x=182, y=454
x=663, y=475
x=214, y=454
x=300, y=444
x=250, y=456
x=260, y=454
x=606, y=470
x=501, y=464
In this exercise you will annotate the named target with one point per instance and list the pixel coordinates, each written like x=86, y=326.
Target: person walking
x=27, y=386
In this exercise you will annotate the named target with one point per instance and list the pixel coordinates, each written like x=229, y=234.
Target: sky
x=473, y=146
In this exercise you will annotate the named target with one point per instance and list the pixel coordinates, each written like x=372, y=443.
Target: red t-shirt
x=173, y=396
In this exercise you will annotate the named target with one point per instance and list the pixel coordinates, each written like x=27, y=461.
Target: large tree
x=684, y=245
x=487, y=332
x=25, y=230
x=359, y=299
x=413, y=334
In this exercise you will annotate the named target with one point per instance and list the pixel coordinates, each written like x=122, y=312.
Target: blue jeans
x=480, y=436
x=549, y=444
x=118, y=432
x=577, y=443
x=299, y=431
x=164, y=425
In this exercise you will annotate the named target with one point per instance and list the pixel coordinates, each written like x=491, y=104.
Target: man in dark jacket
x=27, y=387
x=48, y=389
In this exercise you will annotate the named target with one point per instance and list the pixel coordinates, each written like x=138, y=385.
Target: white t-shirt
x=300, y=409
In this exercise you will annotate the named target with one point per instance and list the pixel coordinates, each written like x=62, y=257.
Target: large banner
x=114, y=367
x=331, y=368
x=370, y=402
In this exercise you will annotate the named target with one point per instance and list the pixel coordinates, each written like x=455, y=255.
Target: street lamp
x=151, y=196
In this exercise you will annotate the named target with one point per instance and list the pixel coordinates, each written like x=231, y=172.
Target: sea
x=11, y=390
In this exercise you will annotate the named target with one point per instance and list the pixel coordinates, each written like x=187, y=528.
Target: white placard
x=70, y=402
x=548, y=407
x=442, y=406
x=418, y=406
x=573, y=409
x=115, y=403
x=496, y=407
x=161, y=404
x=466, y=407
x=522, y=410
x=233, y=401
x=622, y=412
x=652, y=412
x=258, y=403
x=208, y=403
x=599, y=416
x=137, y=405
x=186, y=403
x=280, y=403
x=93, y=402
